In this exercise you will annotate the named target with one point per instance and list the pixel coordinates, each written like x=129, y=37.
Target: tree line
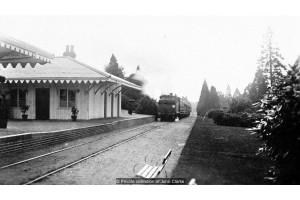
x=132, y=98
x=213, y=99
x=269, y=70
x=270, y=104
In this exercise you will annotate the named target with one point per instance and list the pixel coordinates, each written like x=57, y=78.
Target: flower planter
x=74, y=118
x=24, y=109
x=74, y=112
x=24, y=117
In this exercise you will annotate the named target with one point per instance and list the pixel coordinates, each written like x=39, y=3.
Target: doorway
x=42, y=103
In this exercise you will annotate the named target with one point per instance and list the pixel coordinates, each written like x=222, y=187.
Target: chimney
x=72, y=53
x=66, y=53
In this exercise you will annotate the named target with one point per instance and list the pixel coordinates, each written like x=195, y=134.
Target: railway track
x=36, y=179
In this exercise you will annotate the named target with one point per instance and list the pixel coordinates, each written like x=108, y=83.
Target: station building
x=52, y=88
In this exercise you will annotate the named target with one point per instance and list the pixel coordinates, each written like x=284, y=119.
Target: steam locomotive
x=170, y=107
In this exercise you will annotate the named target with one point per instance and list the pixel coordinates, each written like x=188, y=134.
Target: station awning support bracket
x=104, y=84
x=118, y=93
x=114, y=90
x=107, y=88
x=124, y=92
x=91, y=86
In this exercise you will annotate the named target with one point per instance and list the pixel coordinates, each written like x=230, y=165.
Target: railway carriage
x=170, y=107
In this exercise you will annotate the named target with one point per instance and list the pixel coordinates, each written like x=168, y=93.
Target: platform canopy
x=63, y=70
x=13, y=51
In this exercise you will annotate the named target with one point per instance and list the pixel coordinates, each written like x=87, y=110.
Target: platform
x=16, y=127
x=22, y=136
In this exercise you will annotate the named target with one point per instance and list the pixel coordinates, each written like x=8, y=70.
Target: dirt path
x=121, y=161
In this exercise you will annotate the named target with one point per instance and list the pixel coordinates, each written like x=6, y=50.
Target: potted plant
x=74, y=111
x=24, y=109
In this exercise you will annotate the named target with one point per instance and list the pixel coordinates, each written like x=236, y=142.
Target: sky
x=175, y=53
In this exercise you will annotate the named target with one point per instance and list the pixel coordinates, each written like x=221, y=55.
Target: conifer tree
x=114, y=68
x=222, y=100
x=279, y=128
x=228, y=92
x=228, y=95
x=258, y=88
x=137, y=79
x=271, y=60
x=237, y=93
x=214, y=102
x=203, y=104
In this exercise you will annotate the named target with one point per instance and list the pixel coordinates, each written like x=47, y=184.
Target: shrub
x=232, y=119
x=146, y=105
x=280, y=126
x=24, y=109
x=125, y=102
x=249, y=119
x=74, y=111
x=240, y=105
x=248, y=110
x=218, y=117
x=214, y=112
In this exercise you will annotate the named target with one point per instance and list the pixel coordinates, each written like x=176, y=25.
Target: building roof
x=13, y=51
x=61, y=69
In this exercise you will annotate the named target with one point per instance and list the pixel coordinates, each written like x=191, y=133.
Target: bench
x=151, y=171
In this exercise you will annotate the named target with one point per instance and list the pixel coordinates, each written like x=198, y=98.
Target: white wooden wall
x=15, y=112
x=89, y=104
x=116, y=104
x=96, y=103
x=57, y=112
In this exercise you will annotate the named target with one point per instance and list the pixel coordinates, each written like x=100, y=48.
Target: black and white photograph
x=150, y=99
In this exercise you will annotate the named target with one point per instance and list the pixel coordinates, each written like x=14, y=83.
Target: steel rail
x=65, y=149
x=90, y=156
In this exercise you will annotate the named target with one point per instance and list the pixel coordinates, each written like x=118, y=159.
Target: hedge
x=146, y=105
x=244, y=119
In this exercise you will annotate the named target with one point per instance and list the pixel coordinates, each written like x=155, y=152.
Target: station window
x=67, y=98
x=18, y=97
